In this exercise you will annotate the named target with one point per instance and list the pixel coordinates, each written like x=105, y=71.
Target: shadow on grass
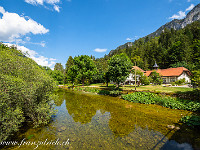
x=189, y=95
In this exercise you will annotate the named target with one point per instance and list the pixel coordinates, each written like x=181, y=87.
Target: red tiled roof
x=169, y=72
x=147, y=73
x=138, y=68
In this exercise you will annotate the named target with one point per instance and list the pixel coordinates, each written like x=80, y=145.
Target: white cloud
x=100, y=50
x=190, y=7
x=132, y=38
x=182, y=14
x=57, y=8
x=129, y=39
x=39, y=59
x=2, y=10
x=188, y=0
x=43, y=2
x=14, y=27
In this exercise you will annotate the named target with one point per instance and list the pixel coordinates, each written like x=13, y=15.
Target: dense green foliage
x=59, y=67
x=25, y=92
x=85, y=67
x=119, y=68
x=191, y=120
x=68, y=65
x=196, y=78
x=156, y=78
x=144, y=79
x=98, y=91
x=72, y=74
x=57, y=75
x=170, y=102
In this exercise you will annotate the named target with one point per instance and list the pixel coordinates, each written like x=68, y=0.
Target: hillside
x=192, y=16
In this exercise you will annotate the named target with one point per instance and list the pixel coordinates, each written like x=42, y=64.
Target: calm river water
x=89, y=121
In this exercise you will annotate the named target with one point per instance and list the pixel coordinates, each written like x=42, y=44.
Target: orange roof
x=169, y=72
x=147, y=73
x=138, y=68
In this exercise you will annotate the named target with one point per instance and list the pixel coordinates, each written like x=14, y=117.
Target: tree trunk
x=83, y=82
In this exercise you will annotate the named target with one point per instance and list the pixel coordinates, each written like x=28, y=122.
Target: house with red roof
x=172, y=74
x=168, y=75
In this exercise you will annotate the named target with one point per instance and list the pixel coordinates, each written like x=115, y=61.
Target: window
x=164, y=80
x=172, y=79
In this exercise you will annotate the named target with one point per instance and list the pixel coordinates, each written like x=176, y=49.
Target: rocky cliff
x=176, y=24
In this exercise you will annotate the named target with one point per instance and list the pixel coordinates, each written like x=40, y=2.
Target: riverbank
x=145, y=97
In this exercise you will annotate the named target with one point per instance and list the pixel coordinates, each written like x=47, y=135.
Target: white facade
x=184, y=75
x=176, y=78
x=131, y=79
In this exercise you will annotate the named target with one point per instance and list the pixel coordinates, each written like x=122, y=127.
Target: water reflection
x=123, y=115
x=102, y=122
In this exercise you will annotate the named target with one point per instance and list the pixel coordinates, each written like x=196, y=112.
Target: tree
x=106, y=78
x=86, y=68
x=156, y=78
x=58, y=76
x=144, y=80
x=68, y=65
x=59, y=67
x=138, y=60
x=196, y=78
x=72, y=74
x=119, y=68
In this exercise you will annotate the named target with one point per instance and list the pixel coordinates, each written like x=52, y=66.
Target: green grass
x=158, y=88
x=152, y=88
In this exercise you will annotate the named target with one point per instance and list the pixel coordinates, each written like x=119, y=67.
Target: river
x=89, y=121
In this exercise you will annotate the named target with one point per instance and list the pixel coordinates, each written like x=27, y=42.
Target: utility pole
x=135, y=75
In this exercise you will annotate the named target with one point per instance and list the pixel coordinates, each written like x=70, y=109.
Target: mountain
x=193, y=15
x=176, y=24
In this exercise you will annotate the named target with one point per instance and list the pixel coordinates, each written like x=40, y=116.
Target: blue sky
x=53, y=30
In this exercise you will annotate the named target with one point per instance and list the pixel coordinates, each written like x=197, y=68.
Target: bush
x=180, y=82
x=191, y=120
x=115, y=93
x=170, y=102
x=25, y=92
x=144, y=80
x=173, y=83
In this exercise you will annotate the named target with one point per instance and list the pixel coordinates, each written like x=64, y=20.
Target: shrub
x=144, y=80
x=170, y=102
x=180, y=82
x=25, y=92
x=191, y=120
x=115, y=93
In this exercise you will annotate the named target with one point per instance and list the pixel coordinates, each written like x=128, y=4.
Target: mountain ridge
x=176, y=24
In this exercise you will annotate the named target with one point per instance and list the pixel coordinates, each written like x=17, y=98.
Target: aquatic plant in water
x=165, y=101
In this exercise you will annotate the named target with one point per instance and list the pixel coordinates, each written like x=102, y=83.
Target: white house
x=168, y=75
x=131, y=78
x=172, y=74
